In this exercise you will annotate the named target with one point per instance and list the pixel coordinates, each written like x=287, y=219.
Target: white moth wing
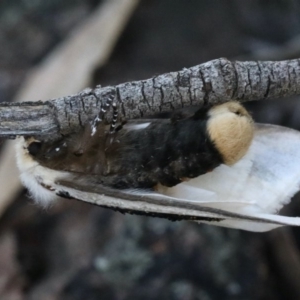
x=157, y=204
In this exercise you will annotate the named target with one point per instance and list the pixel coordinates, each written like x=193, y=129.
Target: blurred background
x=74, y=250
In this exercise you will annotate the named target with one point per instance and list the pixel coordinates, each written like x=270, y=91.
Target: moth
x=211, y=165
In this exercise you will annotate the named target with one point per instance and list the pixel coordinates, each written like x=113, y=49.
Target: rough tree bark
x=212, y=82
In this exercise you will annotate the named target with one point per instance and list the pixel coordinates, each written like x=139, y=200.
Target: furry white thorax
x=35, y=177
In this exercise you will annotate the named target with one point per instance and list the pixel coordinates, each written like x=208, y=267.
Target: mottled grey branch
x=213, y=82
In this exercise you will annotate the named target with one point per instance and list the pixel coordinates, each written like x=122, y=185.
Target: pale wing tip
x=267, y=222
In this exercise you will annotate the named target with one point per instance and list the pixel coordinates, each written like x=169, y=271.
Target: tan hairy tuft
x=231, y=129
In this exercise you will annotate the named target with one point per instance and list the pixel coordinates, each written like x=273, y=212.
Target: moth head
x=231, y=129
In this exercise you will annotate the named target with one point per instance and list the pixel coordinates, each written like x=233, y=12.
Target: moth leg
x=114, y=128
x=99, y=118
x=113, y=124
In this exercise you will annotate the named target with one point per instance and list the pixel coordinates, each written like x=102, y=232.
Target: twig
x=213, y=82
